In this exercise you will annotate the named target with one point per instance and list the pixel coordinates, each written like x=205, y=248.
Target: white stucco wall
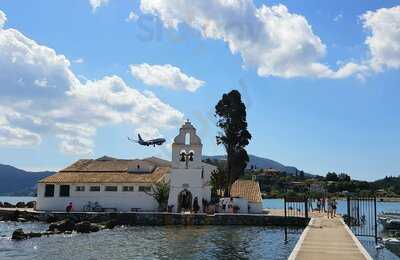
x=122, y=201
x=256, y=208
x=191, y=180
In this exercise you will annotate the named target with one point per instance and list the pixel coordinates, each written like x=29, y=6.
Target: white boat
x=391, y=241
x=390, y=220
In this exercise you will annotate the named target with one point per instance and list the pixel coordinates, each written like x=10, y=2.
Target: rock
x=111, y=224
x=68, y=232
x=31, y=204
x=21, y=220
x=50, y=218
x=19, y=234
x=1, y=204
x=20, y=204
x=8, y=205
x=86, y=227
x=34, y=234
x=94, y=228
x=83, y=227
x=62, y=226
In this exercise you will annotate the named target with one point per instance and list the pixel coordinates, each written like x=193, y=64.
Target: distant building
x=126, y=185
x=113, y=183
x=249, y=192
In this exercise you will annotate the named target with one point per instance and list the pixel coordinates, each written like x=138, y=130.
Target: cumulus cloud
x=3, y=19
x=384, y=39
x=166, y=76
x=42, y=96
x=97, y=3
x=132, y=17
x=275, y=41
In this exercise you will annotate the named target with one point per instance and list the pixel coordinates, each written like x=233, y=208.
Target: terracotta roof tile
x=246, y=189
x=107, y=177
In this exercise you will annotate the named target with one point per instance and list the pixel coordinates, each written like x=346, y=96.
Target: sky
x=320, y=79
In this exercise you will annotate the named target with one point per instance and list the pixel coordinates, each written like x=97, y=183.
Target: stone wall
x=143, y=218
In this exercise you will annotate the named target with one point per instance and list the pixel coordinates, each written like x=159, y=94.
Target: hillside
x=14, y=181
x=260, y=162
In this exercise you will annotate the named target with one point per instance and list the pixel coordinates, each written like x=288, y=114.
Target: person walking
x=329, y=213
x=334, y=206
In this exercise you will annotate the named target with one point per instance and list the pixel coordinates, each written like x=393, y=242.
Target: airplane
x=154, y=142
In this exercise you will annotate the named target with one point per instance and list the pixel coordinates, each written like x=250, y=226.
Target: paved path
x=328, y=239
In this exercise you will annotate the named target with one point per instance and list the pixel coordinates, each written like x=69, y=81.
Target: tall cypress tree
x=231, y=114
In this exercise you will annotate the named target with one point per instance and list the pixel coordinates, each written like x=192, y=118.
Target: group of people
x=328, y=205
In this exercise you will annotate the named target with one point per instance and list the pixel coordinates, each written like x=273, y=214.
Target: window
x=94, y=188
x=64, y=190
x=111, y=188
x=128, y=188
x=144, y=188
x=49, y=190
x=187, y=139
x=80, y=188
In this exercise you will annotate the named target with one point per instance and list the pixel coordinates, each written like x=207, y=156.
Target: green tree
x=217, y=181
x=160, y=192
x=331, y=176
x=231, y=114
x=344, y=177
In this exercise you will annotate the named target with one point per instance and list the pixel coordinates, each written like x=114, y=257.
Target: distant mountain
x=260, y=162
x=14, y=181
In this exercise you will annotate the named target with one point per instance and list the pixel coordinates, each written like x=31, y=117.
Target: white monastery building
x=126, y=185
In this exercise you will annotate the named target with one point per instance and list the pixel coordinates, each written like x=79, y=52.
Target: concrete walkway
x=328, y=239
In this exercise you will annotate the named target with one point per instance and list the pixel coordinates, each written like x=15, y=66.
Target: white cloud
x=3, y=19
x=41, y=96
x=275, y=41
x=97, y=3
x=16, y=137
x=132, y=17
x=166, y=76
x=384, y=40
x=79, y=60
x=338, y=17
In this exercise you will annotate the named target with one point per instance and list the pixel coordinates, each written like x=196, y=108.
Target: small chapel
x=125, y=185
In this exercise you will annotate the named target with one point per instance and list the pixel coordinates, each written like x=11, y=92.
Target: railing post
x=376, y=223
x=348, y=220
x=284, y=206
x=306, y=206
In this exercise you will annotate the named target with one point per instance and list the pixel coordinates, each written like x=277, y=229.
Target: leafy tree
x=331, y=176
x=217, y=181
x=231, y=114
x=160, y=192
x=344, y=177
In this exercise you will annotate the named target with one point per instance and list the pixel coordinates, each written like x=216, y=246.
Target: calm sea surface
x=204, y=242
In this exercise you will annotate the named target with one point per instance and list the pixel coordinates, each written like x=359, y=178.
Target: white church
x=125, y=185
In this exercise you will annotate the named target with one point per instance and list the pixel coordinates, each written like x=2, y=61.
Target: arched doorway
x=184, y=201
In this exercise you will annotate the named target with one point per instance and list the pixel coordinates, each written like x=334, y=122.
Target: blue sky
x=315, y=119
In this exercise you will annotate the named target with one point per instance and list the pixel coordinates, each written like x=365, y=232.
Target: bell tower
x=189, y=177
x=187, y=148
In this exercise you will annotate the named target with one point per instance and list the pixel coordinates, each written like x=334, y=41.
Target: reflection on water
x=169, y=242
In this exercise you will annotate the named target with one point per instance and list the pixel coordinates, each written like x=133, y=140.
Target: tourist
x=318, y=205
x=196, y=206
x=204, y=204
x=329, y=207
x=334, y=206
x=69, y=207
x=323, y=204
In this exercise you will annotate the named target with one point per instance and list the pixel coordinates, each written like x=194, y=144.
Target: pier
x=328, y=239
